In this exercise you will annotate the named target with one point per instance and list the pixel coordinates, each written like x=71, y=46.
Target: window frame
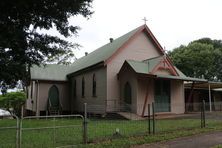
x=83, y=87
x=94, y=89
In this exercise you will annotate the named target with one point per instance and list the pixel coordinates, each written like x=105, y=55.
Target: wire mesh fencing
x=119, y=122
x=51, y=131
x=97, y=124
x=9, y=131
x=126, y=121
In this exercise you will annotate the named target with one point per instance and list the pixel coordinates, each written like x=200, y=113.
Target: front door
x=162, y=96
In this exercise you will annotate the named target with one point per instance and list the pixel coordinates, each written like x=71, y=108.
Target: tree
x=22, y=42
x=13, y=102
x=201, y=58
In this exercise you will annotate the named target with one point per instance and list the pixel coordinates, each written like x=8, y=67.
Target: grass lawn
x=217, y=146
x=100, y=132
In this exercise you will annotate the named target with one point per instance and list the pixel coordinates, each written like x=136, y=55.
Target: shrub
x=13, y=102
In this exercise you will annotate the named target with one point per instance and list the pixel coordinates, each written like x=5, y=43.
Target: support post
x=153, y=108
x=204, y=119
x=149, y=119
x=85, y=124
x=201, y=115
x=146, y=98
x=190, y=97
x=210, y=103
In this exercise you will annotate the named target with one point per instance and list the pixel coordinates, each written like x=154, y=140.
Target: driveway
x=198, y=141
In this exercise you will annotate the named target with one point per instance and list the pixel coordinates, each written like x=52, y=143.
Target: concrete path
x=198, y=141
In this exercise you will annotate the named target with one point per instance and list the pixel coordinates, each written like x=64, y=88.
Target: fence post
x=153, y=117
x=85, y=124
x=17, y=131
x=204, y=120
x=54, y=138
x=20, y=132
x=149, y=118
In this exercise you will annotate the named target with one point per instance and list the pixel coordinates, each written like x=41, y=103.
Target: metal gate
x=51, y=131
x=9, y=131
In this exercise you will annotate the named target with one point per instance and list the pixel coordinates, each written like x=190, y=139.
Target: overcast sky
x=173, y=22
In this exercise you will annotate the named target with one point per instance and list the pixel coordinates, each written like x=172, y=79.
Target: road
x=198, y=141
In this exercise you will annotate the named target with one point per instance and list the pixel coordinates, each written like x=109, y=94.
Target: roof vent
x=86, y=53
x=111, y=40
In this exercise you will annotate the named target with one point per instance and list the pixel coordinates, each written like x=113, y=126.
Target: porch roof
x=146, y=67
x=206, y=85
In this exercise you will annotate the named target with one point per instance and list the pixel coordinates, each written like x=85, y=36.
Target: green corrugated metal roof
x=146, y=66
x=102, y=53
x=138, y=67
x=52, y=72
x=59, y=72
x=180, y=72
x=152, y=62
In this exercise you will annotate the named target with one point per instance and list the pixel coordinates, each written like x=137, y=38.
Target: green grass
x=99, y=132
x=217, y=146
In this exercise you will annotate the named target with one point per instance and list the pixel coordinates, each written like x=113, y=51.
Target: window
x=31, y=90
x=53, y=96
x=32, y=87
x=83, y=87
x=74, y=88
x=127, y=93
x=94, y=85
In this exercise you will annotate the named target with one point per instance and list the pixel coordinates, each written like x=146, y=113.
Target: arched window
x=83, y=87
x=94, y=85
x=127, y=93
x=53, y=96
x=74, y=88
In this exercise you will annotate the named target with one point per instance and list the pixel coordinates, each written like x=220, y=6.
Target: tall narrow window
x=83, y=87
x=53, y=96
x=127, y=93
x=94, y=85
x=74, y=88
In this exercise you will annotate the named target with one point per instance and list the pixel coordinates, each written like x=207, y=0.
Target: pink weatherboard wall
x=139, y=49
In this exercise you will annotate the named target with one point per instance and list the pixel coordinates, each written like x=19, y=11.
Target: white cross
x=145, y=20
x=164, y=51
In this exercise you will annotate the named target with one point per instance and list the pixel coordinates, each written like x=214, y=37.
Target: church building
x=125, y=74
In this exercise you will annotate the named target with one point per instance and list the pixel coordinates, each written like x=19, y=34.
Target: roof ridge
x=102, y=53
x=110, y=43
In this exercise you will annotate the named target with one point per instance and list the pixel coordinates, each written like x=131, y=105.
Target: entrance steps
x=133, y=116
x=54, y=112
x=130, y=116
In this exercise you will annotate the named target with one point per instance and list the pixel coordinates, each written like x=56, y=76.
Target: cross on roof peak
x=164, y=51
x=145, y=20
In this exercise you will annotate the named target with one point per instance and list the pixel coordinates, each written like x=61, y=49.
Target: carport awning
x=213, y=85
